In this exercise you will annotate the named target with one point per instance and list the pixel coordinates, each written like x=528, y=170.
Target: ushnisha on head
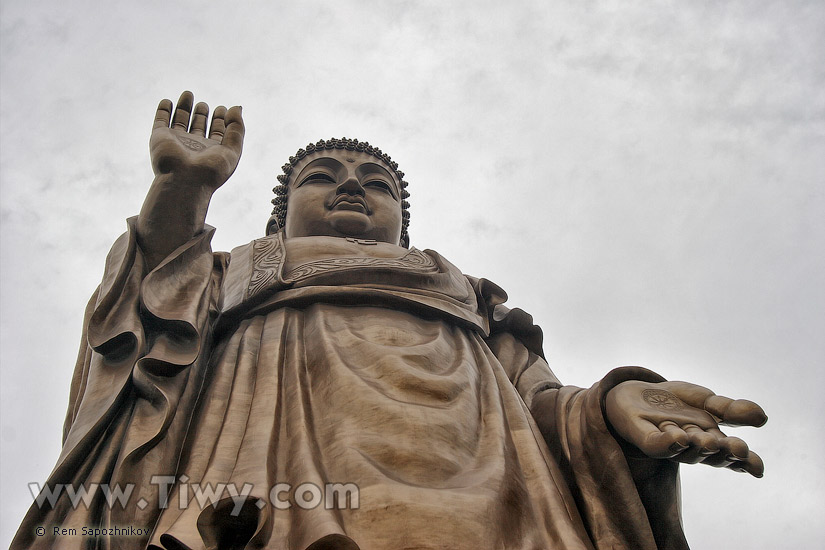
x=345, y=188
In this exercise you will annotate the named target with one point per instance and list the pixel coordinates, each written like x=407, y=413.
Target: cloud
x=644, y=179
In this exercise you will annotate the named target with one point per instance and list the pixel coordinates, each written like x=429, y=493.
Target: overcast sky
x=645, y=178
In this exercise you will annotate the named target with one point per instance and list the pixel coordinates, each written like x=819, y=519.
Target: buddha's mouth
x=350, y=202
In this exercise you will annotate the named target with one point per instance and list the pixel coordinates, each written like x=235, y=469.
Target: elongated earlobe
x=272, y=225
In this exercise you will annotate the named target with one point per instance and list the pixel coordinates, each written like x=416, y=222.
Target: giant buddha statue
x=329, y=386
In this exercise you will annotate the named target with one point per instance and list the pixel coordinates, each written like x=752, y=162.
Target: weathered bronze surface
x=325, y=386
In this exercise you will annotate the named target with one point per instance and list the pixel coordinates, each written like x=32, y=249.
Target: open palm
x=680, y=421
x=182, y=145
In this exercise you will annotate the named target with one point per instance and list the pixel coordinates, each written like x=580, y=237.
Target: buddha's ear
x=272, y=225
x=405, y=241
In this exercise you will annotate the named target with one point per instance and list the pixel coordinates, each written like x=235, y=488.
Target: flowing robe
x=399, y=375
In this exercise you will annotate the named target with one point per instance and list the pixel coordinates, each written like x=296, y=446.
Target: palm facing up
x=680, y=421
x=181, y=146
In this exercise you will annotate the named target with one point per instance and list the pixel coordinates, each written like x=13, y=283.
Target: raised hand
x=190, y=162
x=181, y=147
x=680, y=421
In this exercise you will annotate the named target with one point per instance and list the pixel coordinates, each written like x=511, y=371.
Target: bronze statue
x=329, y=359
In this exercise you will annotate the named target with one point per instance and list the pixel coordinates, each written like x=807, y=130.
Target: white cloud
x=645, y=179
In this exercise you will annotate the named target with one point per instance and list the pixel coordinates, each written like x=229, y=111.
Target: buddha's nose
x=351, y=186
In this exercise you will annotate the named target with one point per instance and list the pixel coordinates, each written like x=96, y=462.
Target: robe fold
x=351, y=402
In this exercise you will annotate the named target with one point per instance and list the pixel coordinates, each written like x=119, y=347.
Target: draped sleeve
x=625, y=500
x=142, y=360
x=142, y=327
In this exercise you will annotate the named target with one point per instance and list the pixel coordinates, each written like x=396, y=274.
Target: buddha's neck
x=301, y=250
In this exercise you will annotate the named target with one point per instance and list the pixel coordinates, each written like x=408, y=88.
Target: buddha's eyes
x=324, y=178
x=382, y=185
x=320, y=177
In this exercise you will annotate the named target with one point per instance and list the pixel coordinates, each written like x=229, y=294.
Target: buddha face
x=341, y=193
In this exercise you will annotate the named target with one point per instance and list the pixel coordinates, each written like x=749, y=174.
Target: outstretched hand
x=680, y=421
x=181, y=146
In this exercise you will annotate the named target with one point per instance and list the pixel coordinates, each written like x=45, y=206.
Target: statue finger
x=233, y=138
x=691, y=455
x=163, y=115
x=180, y=120
x=739, y=412
x=753, y=465
x=718, y=461
x=218, y=128
x=700, y=445
x=733, y=448
x=665, y=441
x=199, y=119
x=704, y=443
